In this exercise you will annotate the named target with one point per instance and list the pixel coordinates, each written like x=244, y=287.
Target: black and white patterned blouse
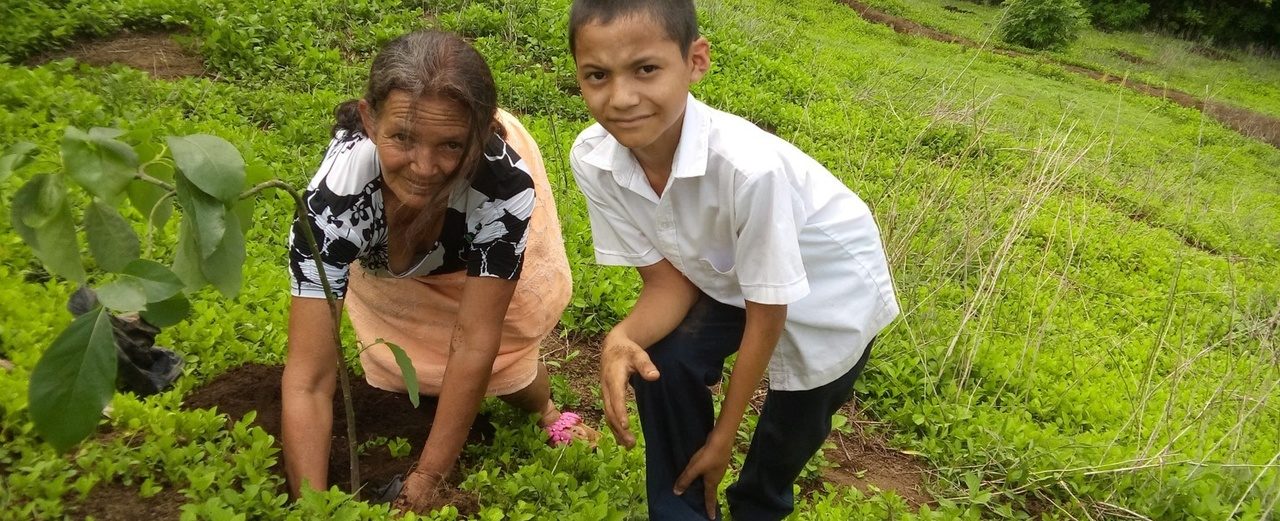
x=484, y=230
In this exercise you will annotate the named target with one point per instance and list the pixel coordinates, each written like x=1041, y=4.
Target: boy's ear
x=699, y=59
x=366, y=118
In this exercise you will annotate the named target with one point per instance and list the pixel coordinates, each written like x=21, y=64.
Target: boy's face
x=635, y=81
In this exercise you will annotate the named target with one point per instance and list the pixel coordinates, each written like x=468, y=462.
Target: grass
x=1087, y=274
x=1249, y=79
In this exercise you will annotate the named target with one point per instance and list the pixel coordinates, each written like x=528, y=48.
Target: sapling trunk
x=344, y=380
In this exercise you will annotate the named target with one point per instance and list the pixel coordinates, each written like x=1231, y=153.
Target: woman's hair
x=428, y=63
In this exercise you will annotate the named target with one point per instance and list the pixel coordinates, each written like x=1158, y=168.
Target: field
x=1087, y=273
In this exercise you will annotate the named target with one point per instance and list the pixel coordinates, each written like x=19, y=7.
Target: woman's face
x=420, y=142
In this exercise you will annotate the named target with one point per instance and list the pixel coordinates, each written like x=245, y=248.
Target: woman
x=438, y=233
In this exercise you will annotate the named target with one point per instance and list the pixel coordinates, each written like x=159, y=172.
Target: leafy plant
x=1043, y=24
x=75, y=379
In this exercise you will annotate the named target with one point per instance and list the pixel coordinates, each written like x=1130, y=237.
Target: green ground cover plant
x=1087, y=274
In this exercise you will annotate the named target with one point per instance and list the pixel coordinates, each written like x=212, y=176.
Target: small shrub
x=1043, y=24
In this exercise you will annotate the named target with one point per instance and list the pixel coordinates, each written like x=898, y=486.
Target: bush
x=1043, y=24
x=1115, y=15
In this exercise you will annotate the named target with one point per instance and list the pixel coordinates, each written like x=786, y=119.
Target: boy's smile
x=635, y=81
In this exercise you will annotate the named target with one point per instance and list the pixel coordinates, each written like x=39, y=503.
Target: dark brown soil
x=379, y=413
x=1249, y=123
x=117, y=502
x=864, y=460
x=155, y=53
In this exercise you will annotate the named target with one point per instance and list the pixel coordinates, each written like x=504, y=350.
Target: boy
x=744, y=243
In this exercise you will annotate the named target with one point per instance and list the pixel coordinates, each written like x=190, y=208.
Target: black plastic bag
x=143, y=368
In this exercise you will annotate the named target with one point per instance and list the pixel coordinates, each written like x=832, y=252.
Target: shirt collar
x=691, y=152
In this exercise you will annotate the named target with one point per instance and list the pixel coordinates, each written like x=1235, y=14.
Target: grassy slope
x=1248, y=80
x=1086, y=272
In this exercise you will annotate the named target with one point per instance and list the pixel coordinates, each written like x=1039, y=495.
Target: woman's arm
x=306, y=392
x=474, y=347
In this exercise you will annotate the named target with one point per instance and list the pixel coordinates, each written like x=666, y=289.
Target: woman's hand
x=710, y=464
x=620, y=359
x=422, y=492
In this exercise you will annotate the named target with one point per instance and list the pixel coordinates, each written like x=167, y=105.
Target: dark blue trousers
x=676, y=415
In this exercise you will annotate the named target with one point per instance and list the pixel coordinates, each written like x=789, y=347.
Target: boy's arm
x=664, y=301
x=760, y=335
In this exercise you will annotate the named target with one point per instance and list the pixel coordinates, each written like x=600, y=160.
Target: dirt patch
x=1130, y=57
x=156, y=53
x=1249, y=123
x=865, y=461
x=379, y=414
x=117, y=502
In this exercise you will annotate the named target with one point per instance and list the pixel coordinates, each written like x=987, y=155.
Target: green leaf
x=207, y=216
x=105, y=133
x=74, y=380
x=54, y=240
x=186, y=257
x=98, y=162
x=111, y=239
x=158, y=282
x=18, y=156
x=144, y=196
x=211, y=163
x=167, y=312
x=244, y=213
x=47, y=197
x=125, y=295
x=224, y=268
x=407, y=372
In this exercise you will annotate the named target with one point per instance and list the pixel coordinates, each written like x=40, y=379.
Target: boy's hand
x=620, y=359
x=709, y=463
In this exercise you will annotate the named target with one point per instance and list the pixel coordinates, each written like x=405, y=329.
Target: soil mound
x=156, y=53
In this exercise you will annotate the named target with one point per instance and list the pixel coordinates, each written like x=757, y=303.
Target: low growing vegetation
x=1087, y=274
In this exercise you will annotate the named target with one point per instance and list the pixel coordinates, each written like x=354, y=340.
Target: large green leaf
x=224, y=268
x=407, y=372
x=206, y=215
x=167, y=312
x=125, y=295
x=144, y=196
x=98, y=162
x=186, y=257
x=46, y=196
x=112, y=240
x=18, y=156
x=74, y=380
x=211, y=163
x=158, y=282
x=54, y=240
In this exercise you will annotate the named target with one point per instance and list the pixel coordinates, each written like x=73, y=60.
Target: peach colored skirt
x=418, y=313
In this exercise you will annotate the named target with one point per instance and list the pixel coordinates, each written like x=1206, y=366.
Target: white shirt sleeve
x=618, y=242
x=769, y=214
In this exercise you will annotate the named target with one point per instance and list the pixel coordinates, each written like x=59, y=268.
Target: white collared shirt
x=748, y=216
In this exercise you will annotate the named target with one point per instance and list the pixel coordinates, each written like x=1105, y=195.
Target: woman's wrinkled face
x=420, y=143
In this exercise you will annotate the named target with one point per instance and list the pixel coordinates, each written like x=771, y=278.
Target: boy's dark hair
x=678, y=18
